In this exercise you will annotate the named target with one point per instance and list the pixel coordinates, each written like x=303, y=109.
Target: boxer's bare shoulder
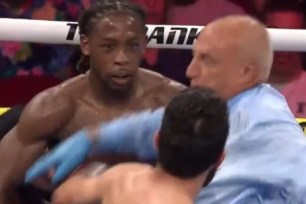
x=156, y=80
x=73, y=87
x=159, y=88
x=50, y=110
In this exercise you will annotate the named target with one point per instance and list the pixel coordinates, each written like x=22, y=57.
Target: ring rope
x=159, y=36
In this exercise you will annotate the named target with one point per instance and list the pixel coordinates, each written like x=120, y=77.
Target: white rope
x=160, y=36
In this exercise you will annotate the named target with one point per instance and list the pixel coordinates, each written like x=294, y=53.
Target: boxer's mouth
x=121, y=78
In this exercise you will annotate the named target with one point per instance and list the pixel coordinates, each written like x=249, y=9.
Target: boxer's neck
x=190, y=186
x=104, y=95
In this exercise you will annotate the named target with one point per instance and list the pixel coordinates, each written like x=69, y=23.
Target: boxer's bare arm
x=39, y=122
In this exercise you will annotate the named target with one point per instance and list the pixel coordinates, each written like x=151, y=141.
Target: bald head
x=248, y=38
x=239, y=50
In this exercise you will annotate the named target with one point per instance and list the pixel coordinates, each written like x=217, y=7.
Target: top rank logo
x=186, y=35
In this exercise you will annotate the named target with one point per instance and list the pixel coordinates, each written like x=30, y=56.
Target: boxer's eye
x=106, y=46
x=134, y=45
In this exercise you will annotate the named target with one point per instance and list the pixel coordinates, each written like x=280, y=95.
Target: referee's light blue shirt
x=265, y=159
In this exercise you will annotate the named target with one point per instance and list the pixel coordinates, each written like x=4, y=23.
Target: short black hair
x=89, y=18
x=193, y=132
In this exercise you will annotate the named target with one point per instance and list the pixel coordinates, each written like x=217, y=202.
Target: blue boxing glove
x=132, y=135
x=65, y=158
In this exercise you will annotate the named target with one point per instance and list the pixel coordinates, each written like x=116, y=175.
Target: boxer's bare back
x=62, y=110
x=129, y=183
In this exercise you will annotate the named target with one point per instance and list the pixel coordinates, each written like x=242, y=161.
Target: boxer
x=189, y=143
x=113, y=39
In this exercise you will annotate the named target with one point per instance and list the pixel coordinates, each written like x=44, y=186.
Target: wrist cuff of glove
x=93, y=134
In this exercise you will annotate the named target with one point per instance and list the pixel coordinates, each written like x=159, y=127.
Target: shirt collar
x=231, y=103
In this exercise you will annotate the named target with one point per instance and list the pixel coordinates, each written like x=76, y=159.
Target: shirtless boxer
x=113, y=39
x=190, y=142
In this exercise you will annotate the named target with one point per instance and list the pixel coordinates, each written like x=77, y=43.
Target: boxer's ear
x=156, y=139
x=84, y=43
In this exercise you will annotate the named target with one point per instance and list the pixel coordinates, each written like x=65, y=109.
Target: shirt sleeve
x=132, y=134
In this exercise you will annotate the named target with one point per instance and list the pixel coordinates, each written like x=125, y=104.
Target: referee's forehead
x=207, y=46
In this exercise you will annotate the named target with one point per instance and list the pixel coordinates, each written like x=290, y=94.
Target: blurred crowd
x=44, y=65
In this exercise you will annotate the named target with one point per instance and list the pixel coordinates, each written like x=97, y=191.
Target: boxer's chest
x=88, y=112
